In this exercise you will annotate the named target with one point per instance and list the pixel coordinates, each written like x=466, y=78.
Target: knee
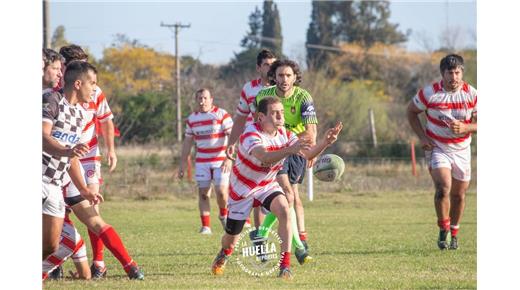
x=50, y=248
x=204, y=195
x=442, y=190
x=458, y=197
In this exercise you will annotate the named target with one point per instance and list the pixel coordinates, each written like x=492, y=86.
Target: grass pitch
x=359, y=241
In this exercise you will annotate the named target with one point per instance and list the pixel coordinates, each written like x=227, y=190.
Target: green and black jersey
x=298, y=108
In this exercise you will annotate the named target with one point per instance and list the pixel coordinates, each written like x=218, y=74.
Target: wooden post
x=310, y=184
x=188, y=169
x=412, y=152
x=372, y=127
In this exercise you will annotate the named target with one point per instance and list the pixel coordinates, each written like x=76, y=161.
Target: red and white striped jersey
x=98, y=111
x=249, y=175
x=247, y=97
x=210, y=130
x=441, y=108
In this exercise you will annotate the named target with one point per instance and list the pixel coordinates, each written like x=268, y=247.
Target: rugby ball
x=329, y=167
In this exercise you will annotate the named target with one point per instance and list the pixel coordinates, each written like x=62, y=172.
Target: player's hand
x=78, y=151
x=311, y=162
x=332, y=134
x=112, y=160
x=93, y=198
x=301, y=145
x=458, y=127
x=230, y=151
x=226, y=166
x=427, y=144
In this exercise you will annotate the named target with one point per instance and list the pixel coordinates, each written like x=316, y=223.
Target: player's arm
x=331, y=135
x=239, y=123
x=52, y=147
x=107, y=131
x=185, y=152
x=412, y=114
x=459, y=127
x=269, y=157
x=77, y=178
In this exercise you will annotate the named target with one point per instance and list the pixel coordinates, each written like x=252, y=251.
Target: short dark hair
x=50, y=56
x=293, y=65
x=76, y=70
x=201, y=90
x=265, y=102
x=264, y=54
x=451, y=61
x=73, y=52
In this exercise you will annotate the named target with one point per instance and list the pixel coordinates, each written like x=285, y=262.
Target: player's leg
x=53, y=212
x=203, y=178
x=98, y=267
x=88, y=215
x=67, y=244
x=81, y=262
x=222, y=192
x=441, y=175
x=278, y=205
x=461, y=175
x=297, y=169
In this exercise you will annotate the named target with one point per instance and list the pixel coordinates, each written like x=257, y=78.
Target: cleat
x=442, y=243
x=304, y=242
x=98, y=272
x=217, y=268
x=56, y=274
x=454, y=244
x=223, y=220
x=302, y=256
x=135, y=273
x=285, y=274
x=205, y=231
x=247, y=224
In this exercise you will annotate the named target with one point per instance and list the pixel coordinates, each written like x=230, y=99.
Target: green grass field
x=359, y=240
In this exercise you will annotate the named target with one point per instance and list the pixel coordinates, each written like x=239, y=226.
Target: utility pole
x=372, y=124
x=46, y=26
x=177, y=26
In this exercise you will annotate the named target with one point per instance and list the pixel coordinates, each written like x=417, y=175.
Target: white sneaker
x=205, y=231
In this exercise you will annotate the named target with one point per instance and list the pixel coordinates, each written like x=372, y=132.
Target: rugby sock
x=223, y=212
x=97, y=246
x=268, y=223
x=294, y=229
x=113, y=242
x=454, y=230
x=205, y=220
x=285, y=260
x=248, y=221
x=228, y=251
x=303, y=236
x=444, y=224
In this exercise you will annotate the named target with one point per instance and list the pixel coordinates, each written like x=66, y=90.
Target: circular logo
x=90, y=173
x=258, y=256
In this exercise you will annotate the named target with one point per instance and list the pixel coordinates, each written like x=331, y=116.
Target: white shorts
x=52, y=200
x=241, y=208
x=206, y=172
x=459, y=162
x=92, y=172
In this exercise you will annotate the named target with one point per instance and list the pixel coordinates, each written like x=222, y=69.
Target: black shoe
x=302, y=256
x=98, y=272
x=305, y=245
x=56, y=274
x=135, y=273
x=454, y=244
x=442, y=242
x=285, y=273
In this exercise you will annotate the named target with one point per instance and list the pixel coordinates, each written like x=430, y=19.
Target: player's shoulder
x=430, y=89
x=469, y=89
x=302, y=94
x=267, y=91
x=51, y=96
x=252, y=84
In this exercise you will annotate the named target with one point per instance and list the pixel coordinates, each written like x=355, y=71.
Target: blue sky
x=217, y=26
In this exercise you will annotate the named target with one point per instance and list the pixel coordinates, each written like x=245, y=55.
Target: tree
x=320, y=32
x=253, y=37
x=58, y=38
x=272, y=30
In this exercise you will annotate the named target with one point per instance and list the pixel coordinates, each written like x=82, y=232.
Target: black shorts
x=294, y=166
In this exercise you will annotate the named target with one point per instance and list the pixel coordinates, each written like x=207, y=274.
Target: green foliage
x=271, y=29
x=146, y=117
x=252, y=38
x=58, y=38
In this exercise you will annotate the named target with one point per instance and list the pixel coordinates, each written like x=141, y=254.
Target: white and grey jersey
x=67, y=124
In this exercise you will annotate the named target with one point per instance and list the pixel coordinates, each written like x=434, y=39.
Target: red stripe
x=213, y=159
x=204, y=123
x=246, y=181
x=465, y=87
x=54, y=260
x=436, y=87
x=447, y=140
x=447, y=106
x=251, y=165
x=234, y=196
x=104, y=116
x=422, y=98
x=92, y=122
x=248, y=134
x=68, y=243
x=226, y=115
x=92, y=142
x=440, y=123
x=100, y=99
x=244, y=112
x=95, y=158
x=211, y=150
x=243, y=95
x=255, y=83
x=210, y=136
x=276, y=147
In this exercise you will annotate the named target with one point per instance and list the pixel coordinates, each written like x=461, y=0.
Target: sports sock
x=268, y=223
x=205, y=219
x=223, y=212
x=294, y=229
x=97, y=246
x=454, y=230
x=444, y=224
x=303, y=236
x=113, y=242
x=285, y=260
x=228, y=251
